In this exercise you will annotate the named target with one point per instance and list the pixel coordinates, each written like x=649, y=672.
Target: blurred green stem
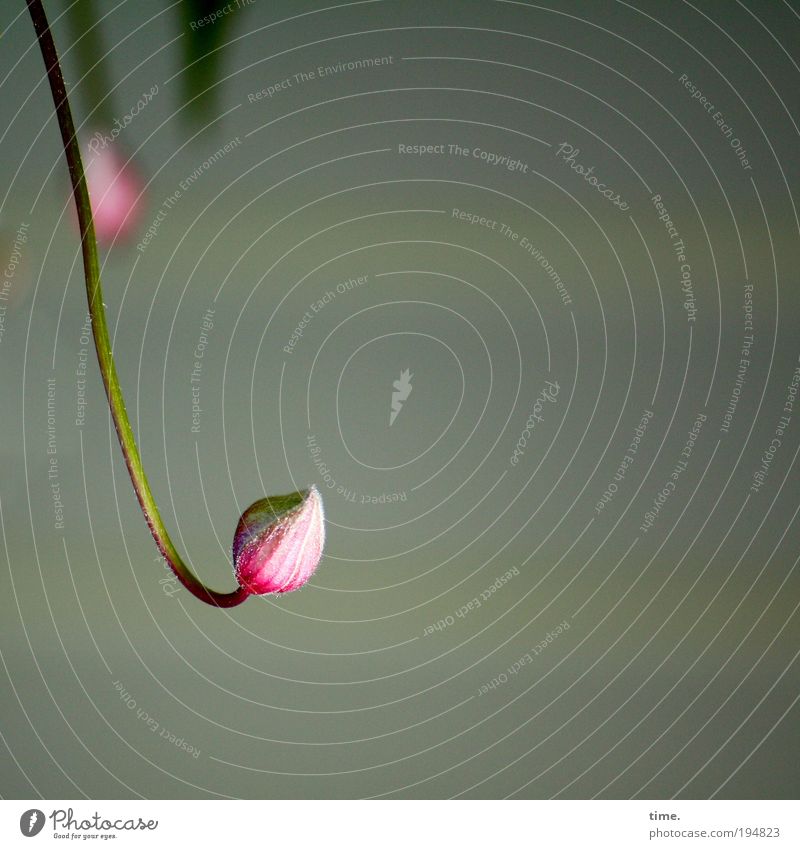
x=91, y=61
x=102, y=343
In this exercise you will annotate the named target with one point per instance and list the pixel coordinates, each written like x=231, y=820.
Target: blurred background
x=515, y=286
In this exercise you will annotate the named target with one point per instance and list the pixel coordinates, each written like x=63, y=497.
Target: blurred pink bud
x=114, y=189
x=278, y=542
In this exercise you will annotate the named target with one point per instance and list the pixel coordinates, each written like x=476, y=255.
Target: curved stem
x=97, y=312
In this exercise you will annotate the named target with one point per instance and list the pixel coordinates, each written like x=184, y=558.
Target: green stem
x=97, y=312
x=91, y=61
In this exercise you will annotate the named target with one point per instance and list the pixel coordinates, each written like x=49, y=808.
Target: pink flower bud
x=278, y=542
x=114, y=189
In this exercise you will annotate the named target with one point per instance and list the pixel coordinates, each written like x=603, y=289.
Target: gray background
x=678, y=675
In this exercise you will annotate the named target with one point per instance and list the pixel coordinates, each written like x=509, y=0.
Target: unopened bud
x=114, y=190
x=278, y=542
